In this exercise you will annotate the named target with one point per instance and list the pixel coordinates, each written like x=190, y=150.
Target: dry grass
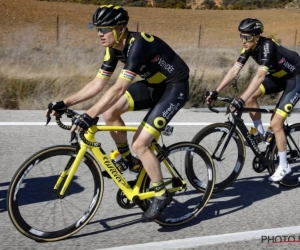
x=178, y=27
x=37, y=68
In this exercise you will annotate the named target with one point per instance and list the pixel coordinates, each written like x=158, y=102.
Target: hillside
x=67, y=22
x=47, y=49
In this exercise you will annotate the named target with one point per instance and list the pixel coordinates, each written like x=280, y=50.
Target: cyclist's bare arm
x=90, y=90
x=112, y=95
x=254, y=84
x=231, y=74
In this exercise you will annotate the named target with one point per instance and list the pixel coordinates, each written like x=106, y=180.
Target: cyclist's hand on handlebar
x=82, y=122
x=210, y=96
x=55, y=108
x=237, y=104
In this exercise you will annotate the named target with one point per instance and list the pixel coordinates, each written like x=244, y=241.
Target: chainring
x=257, y=166
x=122, y=200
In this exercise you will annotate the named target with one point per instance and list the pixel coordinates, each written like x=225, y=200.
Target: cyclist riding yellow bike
x=278, y=70
x=165, y=90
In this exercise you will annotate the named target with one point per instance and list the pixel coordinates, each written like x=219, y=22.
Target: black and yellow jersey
x=147, y=56
x=273, y=58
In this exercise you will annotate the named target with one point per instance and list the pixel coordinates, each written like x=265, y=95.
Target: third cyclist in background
x=278, y=70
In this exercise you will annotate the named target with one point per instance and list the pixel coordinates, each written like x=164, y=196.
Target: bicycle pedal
x=105, y=174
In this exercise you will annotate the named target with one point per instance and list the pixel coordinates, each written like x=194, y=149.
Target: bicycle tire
x=235, y=151
x=188, y=208
x=293, y=157
x=32, y=185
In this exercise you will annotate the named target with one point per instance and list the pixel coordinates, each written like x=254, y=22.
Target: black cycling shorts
x=163, y=100
x=290, y=95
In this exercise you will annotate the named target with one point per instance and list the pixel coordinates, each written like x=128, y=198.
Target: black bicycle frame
x=239, y=122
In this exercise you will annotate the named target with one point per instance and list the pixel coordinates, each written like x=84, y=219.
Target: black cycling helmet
x=110, y=15
x=251, y=26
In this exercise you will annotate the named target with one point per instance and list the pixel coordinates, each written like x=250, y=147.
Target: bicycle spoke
x=228, y=156
x=187, y=201
x=38, y=210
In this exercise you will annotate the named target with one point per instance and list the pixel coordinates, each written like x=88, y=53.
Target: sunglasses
x=247, y=38
x=105, y=30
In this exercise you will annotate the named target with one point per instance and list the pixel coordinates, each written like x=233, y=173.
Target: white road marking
x=102, y=123
x=210, y=240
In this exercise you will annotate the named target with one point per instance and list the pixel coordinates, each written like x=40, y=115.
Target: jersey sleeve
x=242, y=59
x=138, y=51
x=109, y=64
x=267, y=56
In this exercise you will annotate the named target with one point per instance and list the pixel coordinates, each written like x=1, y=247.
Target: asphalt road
x=252, y=203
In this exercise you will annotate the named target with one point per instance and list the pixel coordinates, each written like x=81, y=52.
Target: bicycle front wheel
x=187, y=201
x=228, y=159
x=293, y=156
x=34, y=205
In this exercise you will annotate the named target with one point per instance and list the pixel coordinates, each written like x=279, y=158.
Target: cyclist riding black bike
x=278, y=70
x=164, y=89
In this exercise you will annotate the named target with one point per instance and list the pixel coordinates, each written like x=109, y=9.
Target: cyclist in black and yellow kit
x=278, y=70
x=164, y=90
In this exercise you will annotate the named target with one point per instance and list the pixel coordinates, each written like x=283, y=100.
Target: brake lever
x=228, y=109
x=48, y=116
x=74, y=137
x=203, y=99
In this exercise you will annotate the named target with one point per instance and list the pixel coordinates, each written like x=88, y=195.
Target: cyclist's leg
x=252, y=103
x=166, y=106
x=112, y=117
x=288, y=100
x=137, y=97
x=269, y=86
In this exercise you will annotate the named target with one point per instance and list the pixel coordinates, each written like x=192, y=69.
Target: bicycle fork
x=69, y=171
x=220, y=142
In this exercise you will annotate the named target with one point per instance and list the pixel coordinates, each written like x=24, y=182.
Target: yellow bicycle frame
x=109, y=166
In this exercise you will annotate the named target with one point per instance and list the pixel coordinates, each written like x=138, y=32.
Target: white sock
x=259, y=127
x=282, y=159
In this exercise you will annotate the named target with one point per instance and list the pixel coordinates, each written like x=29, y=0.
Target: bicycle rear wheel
x=188, y=202
x=36, y=209
x=229, y=166
x=293, y=156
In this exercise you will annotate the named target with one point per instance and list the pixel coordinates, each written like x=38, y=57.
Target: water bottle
x=268, y=136
x=118, y=160
x=254, y=132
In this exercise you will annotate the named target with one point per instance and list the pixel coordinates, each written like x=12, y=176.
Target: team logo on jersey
x=168, y=67
x=130, y=44
x=181, y=96
x=155, y=59
x=146, y=75
x=266, y=49
x=295, y=99
x=286, y=64
x=170, y=110
x=288, y=108
x=160, y=122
